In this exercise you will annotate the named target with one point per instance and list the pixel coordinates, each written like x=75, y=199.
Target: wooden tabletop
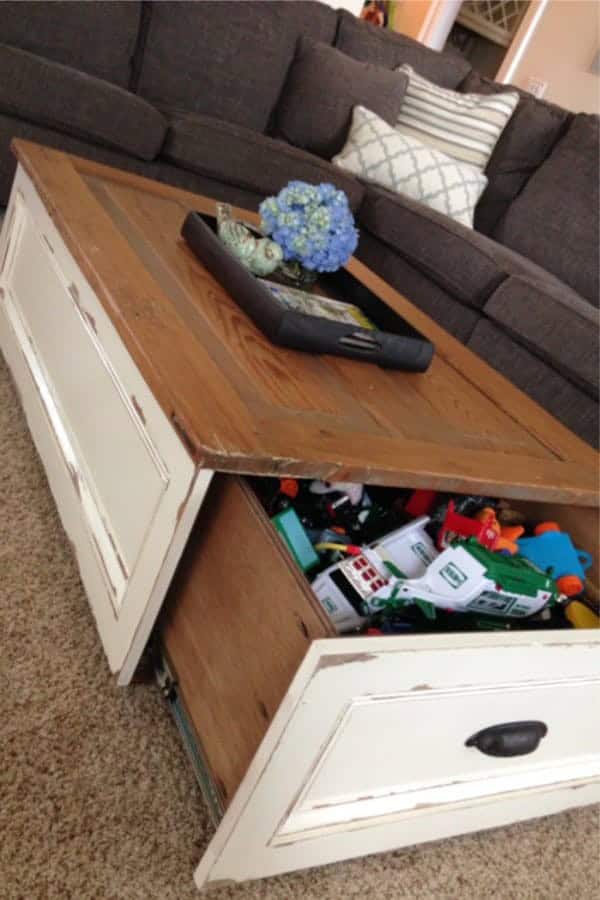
x=243, y=404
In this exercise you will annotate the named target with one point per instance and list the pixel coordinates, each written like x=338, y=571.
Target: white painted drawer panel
x=367, y=751
x=126, y=488
x=122, y=470
x=420, y=755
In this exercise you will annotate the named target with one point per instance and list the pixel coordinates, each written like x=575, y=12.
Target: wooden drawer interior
x=240, y=617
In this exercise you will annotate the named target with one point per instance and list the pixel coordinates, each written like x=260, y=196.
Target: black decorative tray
x=390, y=341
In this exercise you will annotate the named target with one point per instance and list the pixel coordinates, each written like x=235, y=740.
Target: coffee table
x=141, y=378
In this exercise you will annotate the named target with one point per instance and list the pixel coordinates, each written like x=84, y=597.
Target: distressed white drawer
x=318, y=748
x=393, y=753
x=119, y=473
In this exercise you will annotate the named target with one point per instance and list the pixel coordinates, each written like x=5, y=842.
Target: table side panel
x=120, y=495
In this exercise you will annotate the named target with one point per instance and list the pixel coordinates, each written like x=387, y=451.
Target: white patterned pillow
x=376, y=152
x=465, y=126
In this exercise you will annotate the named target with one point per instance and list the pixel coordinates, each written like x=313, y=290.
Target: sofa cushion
x=368, y=43
x=227, y=60
x=531, y=133
x=323, y=85
x=464, y=126
x=209, y=187
x=467, y=264
x=97, y=37
x=416, y=286
x=554, y=322
x=17, y=128
x=555, y=220
x=252, y=161
x=379, y=153
x=79, y=104
x=574, y=408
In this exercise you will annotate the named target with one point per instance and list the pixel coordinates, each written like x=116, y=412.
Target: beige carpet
x=97, y=800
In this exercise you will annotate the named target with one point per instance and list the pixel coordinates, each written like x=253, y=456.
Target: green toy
x=467, y=577
x=292, y=531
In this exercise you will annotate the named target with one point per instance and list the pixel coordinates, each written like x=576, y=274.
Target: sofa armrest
x=47, y=93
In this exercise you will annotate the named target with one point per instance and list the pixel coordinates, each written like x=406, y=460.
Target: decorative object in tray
x=314, y=227
x=311, y=235
x=259, y=254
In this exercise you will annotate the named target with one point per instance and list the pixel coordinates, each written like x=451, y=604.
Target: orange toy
x=507, y=535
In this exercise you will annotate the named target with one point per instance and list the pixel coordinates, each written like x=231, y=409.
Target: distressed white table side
x=126, y=488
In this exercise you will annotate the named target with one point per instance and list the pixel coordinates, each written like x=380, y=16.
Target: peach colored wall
x=409, y=16
x=561, y=52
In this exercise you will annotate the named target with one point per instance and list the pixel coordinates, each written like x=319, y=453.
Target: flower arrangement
x=312, y=224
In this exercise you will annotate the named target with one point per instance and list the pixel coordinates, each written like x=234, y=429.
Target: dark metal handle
x=509, y=739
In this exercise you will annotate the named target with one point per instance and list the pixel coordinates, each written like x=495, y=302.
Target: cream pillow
x=464, y=126
x=377, y=152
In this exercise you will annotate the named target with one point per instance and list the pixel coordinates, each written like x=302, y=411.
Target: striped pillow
x=464, y=126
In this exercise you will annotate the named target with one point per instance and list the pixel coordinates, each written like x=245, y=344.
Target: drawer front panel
x=368, y=751
x=126, y=489
x=420, y=756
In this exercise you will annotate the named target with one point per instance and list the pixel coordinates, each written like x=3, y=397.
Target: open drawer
x=316, y=748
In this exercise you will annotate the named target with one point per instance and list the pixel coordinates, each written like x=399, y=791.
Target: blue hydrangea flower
x=312, y=223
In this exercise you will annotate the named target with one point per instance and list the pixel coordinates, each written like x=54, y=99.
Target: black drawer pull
x=509, y=739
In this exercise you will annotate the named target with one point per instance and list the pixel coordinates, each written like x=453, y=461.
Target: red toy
x=484, y=527
x=457, y=526
x=420, y=502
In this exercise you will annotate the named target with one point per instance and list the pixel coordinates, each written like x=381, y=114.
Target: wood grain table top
x=242, y=404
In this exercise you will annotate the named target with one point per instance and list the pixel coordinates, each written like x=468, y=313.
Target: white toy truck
x=344, y=589
x=405, y=568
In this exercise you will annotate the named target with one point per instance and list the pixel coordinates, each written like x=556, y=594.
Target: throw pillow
x=465, y=126
x=377, y=152
x=322, y=87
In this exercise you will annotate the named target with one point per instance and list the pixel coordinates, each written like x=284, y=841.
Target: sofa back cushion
x=531, y=133
x=323, y=85
x=368, y=43
x=226, y=60
x=555, y=219
x=97, y=37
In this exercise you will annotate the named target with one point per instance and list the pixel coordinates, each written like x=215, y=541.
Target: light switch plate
x=536, y=86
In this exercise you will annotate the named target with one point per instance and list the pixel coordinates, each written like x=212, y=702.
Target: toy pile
x=387, y=561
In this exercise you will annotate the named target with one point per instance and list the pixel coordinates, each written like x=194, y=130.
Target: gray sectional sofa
x=189, y=93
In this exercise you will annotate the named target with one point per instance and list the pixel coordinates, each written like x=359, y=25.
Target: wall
x=409, y=16
x=561, y=51
x=353, y=6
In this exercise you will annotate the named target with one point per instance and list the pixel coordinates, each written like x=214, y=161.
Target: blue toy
x=553, y=549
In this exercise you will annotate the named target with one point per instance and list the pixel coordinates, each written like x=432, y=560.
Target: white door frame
x=442, y=15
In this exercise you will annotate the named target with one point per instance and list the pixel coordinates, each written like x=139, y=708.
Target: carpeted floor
x=97, y=800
